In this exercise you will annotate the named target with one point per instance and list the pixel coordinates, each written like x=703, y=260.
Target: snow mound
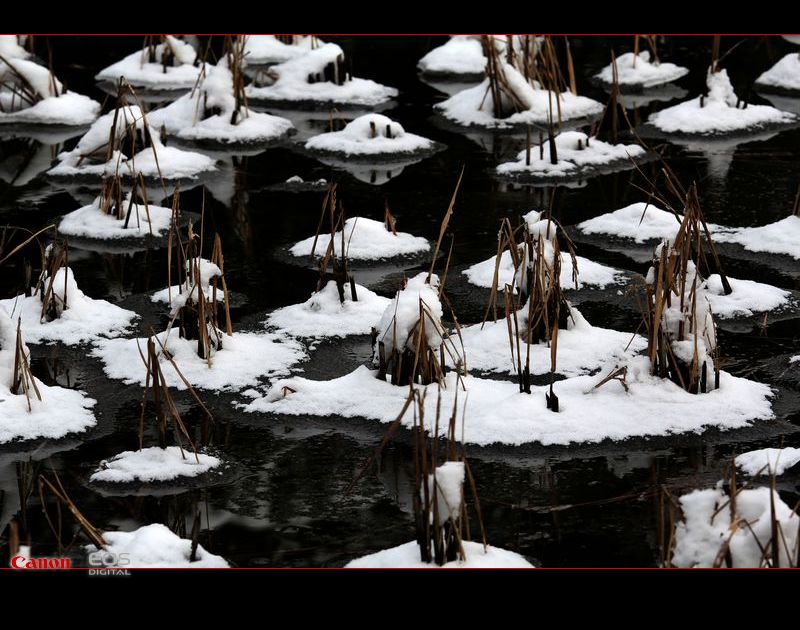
x=371, y=135
x=365, y=239
x=768, y=461
x=576, y=157
x=780, y=237
x=323, y=315
x=155, y=546
x=90, y=222
x=261, y=50
x=718, y=113
x=707, y=526
x=407, y=557
x=461, y=54
x=639, y=72
x=784, y=75
x=84, y=319
x=153, y=464
x=140, y=71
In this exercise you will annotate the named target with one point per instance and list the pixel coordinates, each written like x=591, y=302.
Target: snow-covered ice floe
x=155, y=546
x=720, y=112
x=31, y=95
x=639, y=73
x=780, y=237
x=324, y=315
x=365, y=239
x=461, y=55
x=474, y=106
x=153, y=464
x=768, y=461
x=784, y=76
x=262, y=50
x=209, y=113
x=84, y=319
x=180, y=71
x=319, y=76
x=582, y=348
x=372, y=136
x=496, y=411
x=244, y=358
x=577, y=157
x=476, y=557
x=92, y=223
x=707, y=526
x=55, y=413
x=155, y=160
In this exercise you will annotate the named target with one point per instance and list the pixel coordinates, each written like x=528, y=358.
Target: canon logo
x=21, y=562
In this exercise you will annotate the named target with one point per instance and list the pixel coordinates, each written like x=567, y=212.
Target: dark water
x=282, y=501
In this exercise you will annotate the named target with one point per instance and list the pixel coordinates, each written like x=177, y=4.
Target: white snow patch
x=182, y=117
x=780, y=237
x=496, y=411
x=576, y=154
x=474, y=105
x=171, y=162
x=590, y=273
x=153, y=464
x=84, y=319
x=357, y=138
x=767, y=461
x=639, y=221
x=90, y=222
x=748, y=297
x=785, y=74
x=292, y=82
x=56, y=107
x=707, y=525
x=642, y=72
x=177, y=295
x=323, y=315
x=582, y=348
x=244, y=359
x=155, y=546
x=461, y=54
x=407, y=557
x=719, y=113
x=449, y=480
x=140, y=72
x=10, y=48
x=365, y=239
x=268, y=49
x=60, y=411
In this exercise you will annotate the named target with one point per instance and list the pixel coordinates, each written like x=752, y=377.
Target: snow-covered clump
x=639, y=221
x=153, y=464
x=590, y=273
x=498, y=413
x=780, y=237
x=448, y=479
x=768, y=461
x=582, y=348
x=784, y=75
x=261, y=50
x=10, y=48
x=91, y=222
x=319, y=76
x=54, y=413
x=460, y=55
x=209, y=113
x=155, y=546
x=402, y=316
x=245, y=358
x=795, y=359
x=323, y=315
x=365, y=239
x=577, y=155
x=151, y=158
x=82, y=320
x=177, y=295
x=639, y=72
x=143, y=71
x=718, y=113
x=748, y=297
x=407, y=557
x=30, y=94
x=474, y=106
x=707, y=527
x=370, y=136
